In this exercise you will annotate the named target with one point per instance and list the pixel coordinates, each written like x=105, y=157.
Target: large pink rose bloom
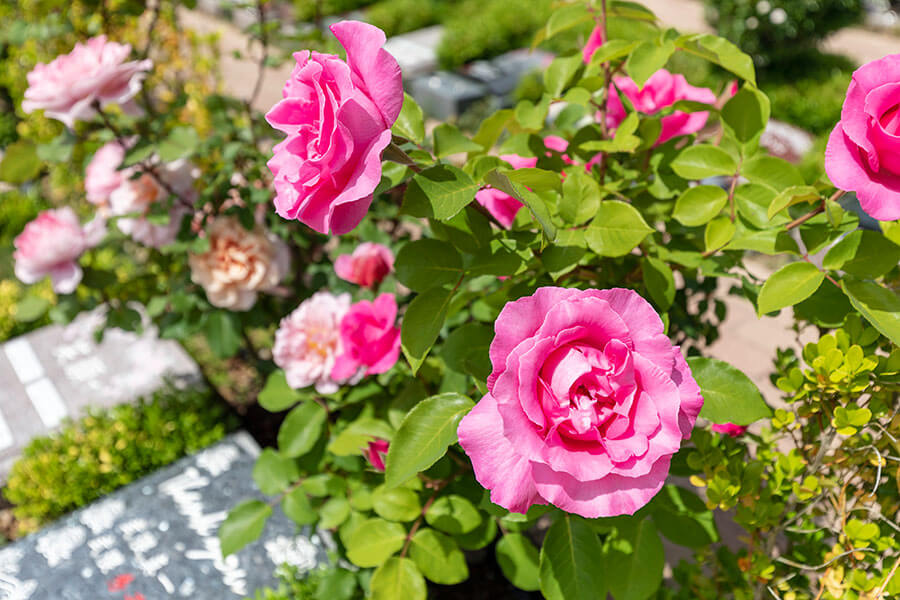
x=337, y=116
x=308, y=341
x=367, y=266
x=370, y=339
x=863, y=152
x=102, y=177
x=586, y=405
x=96, y=71
x=51, y=245
x=504, y=207
x=661, y=90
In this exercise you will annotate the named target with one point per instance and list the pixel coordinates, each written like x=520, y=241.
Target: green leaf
x=466, y=349
x=301, y=429
x=538, y=180
x=718, y=233
x=624, y=139
x=244, y=524
x=410, y=124
x=298, y=509
x=791, y=196
x=450, y=140
x=565, y=254
x=479, y=537
x=660, y=282
x=422, y=323
x=746, y=113
x=31, y=308
x=612, y=50
x=424, y=436
x=702, y=161
x=729, y=396
x=501, y=181
x=20, y=162
x=683, y=517
x=180, y=143
x=428, y=263
x=560, y=73
x=637, y=559
x=752, y=201
x=570, y=565
x=580, y=198
x=616, y=230
x=374, y=541
x=878, y=305
x=338, y=584
x=648, y=58
x=439, y=192
x=864, y=254
x=396, y=504
x=519, y=561
x=59, y=149
x=564, y=18
x=277, y=395
x=356, y=436
x=334, y=512
x=223, y=333
x=792, y=283
x=774, y=172
x=397, y=578
x=273, y=473
x=530, y=115
x=719, y=51
x=453, y=514
x=700, y=204
x=438, y=557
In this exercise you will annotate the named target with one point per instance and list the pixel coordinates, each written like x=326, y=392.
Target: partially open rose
x=587, y=402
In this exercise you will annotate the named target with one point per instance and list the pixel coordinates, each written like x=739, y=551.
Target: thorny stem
x=817, y=210
x=827, y=276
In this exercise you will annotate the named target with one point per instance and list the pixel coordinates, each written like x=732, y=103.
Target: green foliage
x=322, y=583
x=109, y=449
x=400, y=16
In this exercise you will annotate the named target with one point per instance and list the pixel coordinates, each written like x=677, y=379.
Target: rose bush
x=565, y=262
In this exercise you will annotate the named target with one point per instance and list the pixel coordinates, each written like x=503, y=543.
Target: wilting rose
x=102, y=177
x=95, y=71
x=863, y=152
x=661, y=90
x=367, y=266
x=729, y=429
x=594, y=41
x=337, y=116
x=308, y=341
x=239, y=264
x=376, y=453
x=587, y=402
x=370, y=339
x=504, y=207
x=51, y=245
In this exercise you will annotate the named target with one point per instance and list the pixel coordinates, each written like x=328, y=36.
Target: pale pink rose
x=102, y=176
x=370, y=339
x=95, y=71
x=337, y=116
x=51, y=245
x=587, y=402
x=729, y=429
x=376, y=453
x=594, y=41
x=308, y=341
x=367, y=266
x=863, y=152
x=239, y=264
x=661, y=90
x=133, y=200
x=504, y=207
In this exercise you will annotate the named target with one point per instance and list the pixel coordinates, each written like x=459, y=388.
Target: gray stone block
x=444, y=95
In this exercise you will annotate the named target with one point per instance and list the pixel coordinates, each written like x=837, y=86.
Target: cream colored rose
x=239, y=264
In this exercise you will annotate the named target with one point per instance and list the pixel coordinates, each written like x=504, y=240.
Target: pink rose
x=366, y=266
x=370, y=339
x=661, y=90
x=594, y=41
x=51, y=245
x=308, y=341
x=729, y=429
x=863, y=152
x=337, y=116
x=376, y=452
x=95, y=71
x=558, y=144
x=504, y=207
x=102, y=176
x=586, y=405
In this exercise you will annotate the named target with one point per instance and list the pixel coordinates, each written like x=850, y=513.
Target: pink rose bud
x=51, y=245
x=587, y=403
x=729, y=429
x=370, y=340
x=94, y=72
x=661, y=90
x=594, y=41
x=308, y=341
x=376, y=453
x=367, y=266
x=337, y=116
x=504, y=207
x=863, y=151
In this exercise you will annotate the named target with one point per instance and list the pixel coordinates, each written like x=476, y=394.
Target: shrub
x=110, y=448
x=322, y=583
x=308, y=10
x=399, y=16
x=776, y=31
